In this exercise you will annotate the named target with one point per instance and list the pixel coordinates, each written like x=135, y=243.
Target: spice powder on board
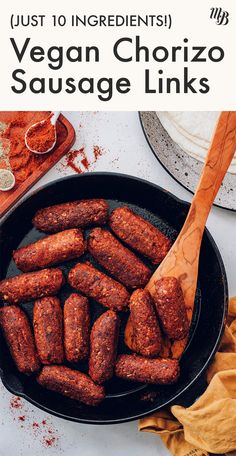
x=14, y=154
x=41, y=136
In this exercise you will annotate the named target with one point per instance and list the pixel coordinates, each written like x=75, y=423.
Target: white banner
x=165, y=55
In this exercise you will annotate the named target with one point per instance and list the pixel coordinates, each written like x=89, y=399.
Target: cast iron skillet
x=125, y=400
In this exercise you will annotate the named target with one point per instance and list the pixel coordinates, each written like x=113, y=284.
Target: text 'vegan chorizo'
x=117, y=259
x=147, y=370
x=17, y=332
x=47, y=322
x=93, y=283
x=146, y=334
x=76, y=327
x=50, y=250
x=76, y=214
x=31, y=285
x=169, y=301
x=103, y=346
x=71, y=383
x=139, y=234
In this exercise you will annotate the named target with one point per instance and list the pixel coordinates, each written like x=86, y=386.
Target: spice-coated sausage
x=169, y=301
x=51, y=250
x=76, y=327
x=71, y=383
x=139, y=234
x=47, y=322
x=95, y=284
x=76, y=214
x=32, y=285
x=145, y=327
x=19, y=338
x=103, y=346
x=117, y=259
x=146, y=370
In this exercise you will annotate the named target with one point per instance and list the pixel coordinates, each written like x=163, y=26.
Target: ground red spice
x=76, y=158
x=19, y=159
x=43, y=430
x=41, y=136
x=85, y=163
x=16, y=402
x=72, y=158
x=35, y=425
x=50, y=442
x=97, y=151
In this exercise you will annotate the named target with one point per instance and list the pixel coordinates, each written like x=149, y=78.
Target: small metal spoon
x=53, y=120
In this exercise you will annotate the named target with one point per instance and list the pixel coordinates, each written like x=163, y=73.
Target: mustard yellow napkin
x=209, y=425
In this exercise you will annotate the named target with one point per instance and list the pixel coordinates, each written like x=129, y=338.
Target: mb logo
x=222, y=17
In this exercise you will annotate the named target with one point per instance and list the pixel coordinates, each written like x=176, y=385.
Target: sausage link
x=76, y=328
x=47, y=322
x=95, y=284
x=17, y=332
x=139, y=369
x=71, y=383
x=76, y=214
x=32, y=285
x=117, y=259
x=169, y=300
x=145, y=326
x=51, y=250
x=103, y=345
x=139, y=234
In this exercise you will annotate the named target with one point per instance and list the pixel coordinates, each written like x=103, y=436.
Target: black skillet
x=125, y=401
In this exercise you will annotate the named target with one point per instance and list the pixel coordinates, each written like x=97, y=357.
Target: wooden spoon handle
x=183, y=258
x=184, y=253
x=217, y=162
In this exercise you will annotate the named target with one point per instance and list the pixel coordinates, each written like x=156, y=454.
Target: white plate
x=183, y=168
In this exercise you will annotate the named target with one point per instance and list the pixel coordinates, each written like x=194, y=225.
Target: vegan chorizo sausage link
x=19, y=338
x=71, y=383
x=169, y=301
x=145, y=325
x=117, y=259
x=47, y=322
x=139, y=234
x=76, y=327
x=103, y=346
x=146, y=370
x=93, y=283
x=76, y=214
x=31, y=285
x=50, y=250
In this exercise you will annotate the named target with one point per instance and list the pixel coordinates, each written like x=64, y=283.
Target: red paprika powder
x=41, y=136
x=13, y=152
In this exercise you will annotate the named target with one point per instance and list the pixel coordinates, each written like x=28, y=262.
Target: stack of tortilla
x=192, y=131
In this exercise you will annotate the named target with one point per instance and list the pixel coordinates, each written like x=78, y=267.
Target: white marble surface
x=126, y=151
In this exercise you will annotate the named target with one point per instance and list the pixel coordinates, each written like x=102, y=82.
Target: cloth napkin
x=208, y=425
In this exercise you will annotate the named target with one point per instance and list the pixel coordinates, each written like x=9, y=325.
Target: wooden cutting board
x=42, y=164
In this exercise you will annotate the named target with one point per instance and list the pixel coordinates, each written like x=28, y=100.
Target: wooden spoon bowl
x=182, y=261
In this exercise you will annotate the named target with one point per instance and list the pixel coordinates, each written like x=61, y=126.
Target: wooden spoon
x=183, y=258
